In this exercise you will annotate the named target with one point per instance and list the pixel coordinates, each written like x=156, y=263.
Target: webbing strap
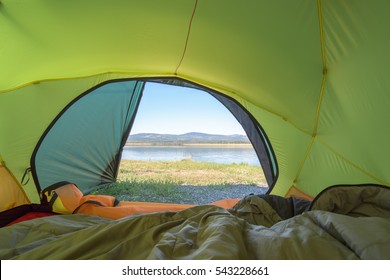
x=87, y=202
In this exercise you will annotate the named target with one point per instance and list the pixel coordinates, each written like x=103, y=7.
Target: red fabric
x=30, y=216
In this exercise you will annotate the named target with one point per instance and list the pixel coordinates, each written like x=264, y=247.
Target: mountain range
x=187, y=138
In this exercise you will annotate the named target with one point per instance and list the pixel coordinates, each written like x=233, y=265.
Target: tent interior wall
x=313, y=73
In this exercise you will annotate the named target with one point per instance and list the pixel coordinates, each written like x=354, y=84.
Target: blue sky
x=177, y=110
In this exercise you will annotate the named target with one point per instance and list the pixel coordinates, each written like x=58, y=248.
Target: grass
x=137, y=190
x=188, y=172
x=157, y=181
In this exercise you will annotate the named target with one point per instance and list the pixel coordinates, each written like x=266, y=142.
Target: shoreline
x=162, y=144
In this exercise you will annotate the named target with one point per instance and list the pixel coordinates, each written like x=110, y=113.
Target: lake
x=224, y=154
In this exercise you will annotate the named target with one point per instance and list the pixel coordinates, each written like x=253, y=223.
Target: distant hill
x=188, y=138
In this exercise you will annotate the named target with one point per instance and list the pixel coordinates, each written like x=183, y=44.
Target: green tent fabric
x=313, y=73
x=84, y=143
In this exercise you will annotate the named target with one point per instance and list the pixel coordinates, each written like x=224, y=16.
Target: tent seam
x=131, y=75
x=353, y=164
x=325, y=70
x=304, y=159
x=322, y=90
x=188, y=36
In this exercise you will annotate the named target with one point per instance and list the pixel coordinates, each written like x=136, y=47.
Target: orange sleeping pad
x=68, y=199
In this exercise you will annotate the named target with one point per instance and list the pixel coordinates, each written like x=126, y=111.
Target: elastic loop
x=26, y=173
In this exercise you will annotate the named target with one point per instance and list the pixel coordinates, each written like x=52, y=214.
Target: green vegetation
x=188, y=172
x=159, y=181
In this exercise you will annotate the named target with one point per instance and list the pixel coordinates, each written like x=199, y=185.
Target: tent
x=312, y=75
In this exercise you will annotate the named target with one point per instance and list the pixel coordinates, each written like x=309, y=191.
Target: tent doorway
x=86, y=142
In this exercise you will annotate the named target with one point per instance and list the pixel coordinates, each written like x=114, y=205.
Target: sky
x=170, y=109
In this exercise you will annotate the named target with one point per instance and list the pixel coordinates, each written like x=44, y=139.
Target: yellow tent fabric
x=11, y=192
x=314, y=73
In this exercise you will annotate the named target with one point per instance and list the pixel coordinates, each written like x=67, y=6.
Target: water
x=203, y=153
